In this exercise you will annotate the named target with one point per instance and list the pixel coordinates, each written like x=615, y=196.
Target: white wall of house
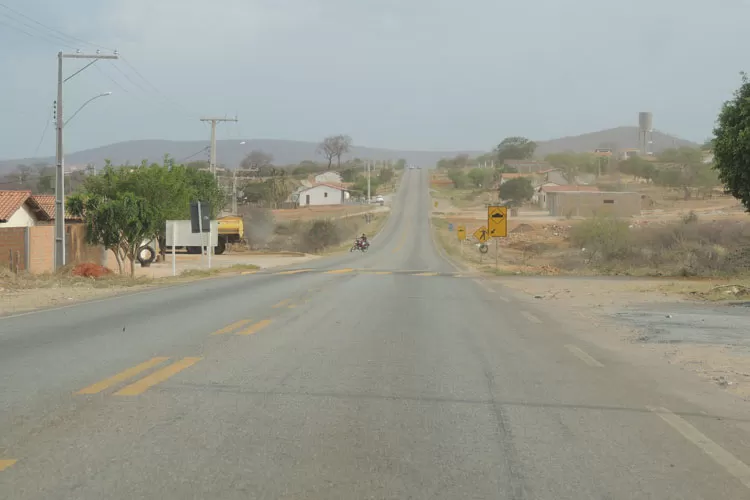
x=321, y=195
x=540, y=196
x=23, y=217
x=333, y=177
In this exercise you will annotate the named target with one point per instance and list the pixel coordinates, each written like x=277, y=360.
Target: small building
x=321, y=194
x=592, y=203
x=543, y=191
x=329, y=177
x=22, y=209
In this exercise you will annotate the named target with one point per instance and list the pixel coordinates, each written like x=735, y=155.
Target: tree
x=458, y=177
x=516, y=190
x=731, y=147
x=572, y=163
x=400, y=164
x=480, y=177
x=256, y=160
x=638, y=167
x=23, y=172
x=119, y=224
x=334, y=147
x=348, y=175
x=385, y=175
x=692, y=171
x=514, y=148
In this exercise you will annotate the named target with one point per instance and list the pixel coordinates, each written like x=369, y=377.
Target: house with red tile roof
x=23, y=209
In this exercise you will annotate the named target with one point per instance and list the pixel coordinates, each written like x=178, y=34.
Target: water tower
x=645, y=132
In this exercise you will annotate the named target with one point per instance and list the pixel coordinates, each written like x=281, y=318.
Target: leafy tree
x=335, y=146
x=692, y=171
x=400, y=164
x=573, y=163
x=638, y=167
x=514, y=148
x=516, y=190
x=276, y=188
x=119, y=224
x=731, y=146
x=480, y=177
x=458, y=177
x=348, y=175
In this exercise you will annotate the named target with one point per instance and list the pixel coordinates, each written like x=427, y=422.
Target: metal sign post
x=200, y=227
x=174, y=249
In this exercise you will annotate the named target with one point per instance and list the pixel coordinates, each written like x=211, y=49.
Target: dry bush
x=686, y=248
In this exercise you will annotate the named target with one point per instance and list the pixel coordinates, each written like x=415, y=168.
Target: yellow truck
x=231, y=230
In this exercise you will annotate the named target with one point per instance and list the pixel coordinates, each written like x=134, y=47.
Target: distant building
x=320, y=194
x=591, y=203
x=551, y=187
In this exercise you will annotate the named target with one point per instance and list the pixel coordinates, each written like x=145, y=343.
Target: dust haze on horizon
x=422, y=74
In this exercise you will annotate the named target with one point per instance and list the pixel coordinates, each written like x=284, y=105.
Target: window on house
x=609, y=201
x=325, y=195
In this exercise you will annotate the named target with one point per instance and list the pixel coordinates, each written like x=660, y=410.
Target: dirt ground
x=185, y=262
x=25, y=293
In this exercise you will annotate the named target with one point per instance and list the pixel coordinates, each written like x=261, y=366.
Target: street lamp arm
x=84, y=105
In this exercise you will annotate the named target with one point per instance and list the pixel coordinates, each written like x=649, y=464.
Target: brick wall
x=12, y=241
x=40, y=254
x=41, y=249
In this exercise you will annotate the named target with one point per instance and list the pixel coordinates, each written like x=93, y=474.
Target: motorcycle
x=360, y=245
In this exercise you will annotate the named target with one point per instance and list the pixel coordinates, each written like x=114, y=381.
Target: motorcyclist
x=363, y=240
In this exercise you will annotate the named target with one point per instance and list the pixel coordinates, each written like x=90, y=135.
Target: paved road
x=330, y=383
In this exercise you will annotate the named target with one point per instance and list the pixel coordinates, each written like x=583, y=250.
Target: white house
x=321, y=194
x=329, y=177
x=22, y=209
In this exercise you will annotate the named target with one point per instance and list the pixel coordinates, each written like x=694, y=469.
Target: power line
x=65, y=35
x=206, y=148
x=44, y=132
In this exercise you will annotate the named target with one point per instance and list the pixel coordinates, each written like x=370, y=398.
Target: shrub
x=603, y=238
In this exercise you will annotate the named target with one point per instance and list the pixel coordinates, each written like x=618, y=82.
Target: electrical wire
x=53, y=30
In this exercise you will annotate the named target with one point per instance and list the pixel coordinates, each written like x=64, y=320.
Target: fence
x=32, y=248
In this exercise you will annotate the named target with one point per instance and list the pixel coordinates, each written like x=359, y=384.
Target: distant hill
x=231, y=152
x=618, y=138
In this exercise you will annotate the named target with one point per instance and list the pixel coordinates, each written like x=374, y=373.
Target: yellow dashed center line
x=282, y=303
x=255, y=328
x=230, y=328
x=4, y=464
x=339, y=271
x=425, y=274
x=295, y=271
x=157, y=377
x=122, y=376
x=248, y=272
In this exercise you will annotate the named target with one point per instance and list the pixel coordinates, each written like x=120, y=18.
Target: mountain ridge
x=285, y=152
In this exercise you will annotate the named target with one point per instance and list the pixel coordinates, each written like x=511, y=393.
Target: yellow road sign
x=461, y=232
x=481, y=234
x=497, y=221
x=436, y=204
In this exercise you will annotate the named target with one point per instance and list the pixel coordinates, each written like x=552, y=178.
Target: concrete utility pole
x=59, y=168
x=369, y=168
x=214, y=121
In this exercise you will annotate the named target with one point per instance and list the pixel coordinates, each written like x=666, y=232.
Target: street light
x=105, y=94
x=59, y=164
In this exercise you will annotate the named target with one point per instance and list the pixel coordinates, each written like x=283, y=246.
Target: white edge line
x=531, y=317
x=583, y=356
x=732, y=464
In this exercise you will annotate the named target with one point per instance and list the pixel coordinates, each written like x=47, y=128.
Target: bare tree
x=256, y=160
x=334, y=147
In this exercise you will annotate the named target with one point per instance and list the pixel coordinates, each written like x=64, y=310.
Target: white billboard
x=179, y=231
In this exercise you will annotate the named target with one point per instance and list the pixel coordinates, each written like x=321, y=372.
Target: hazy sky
x=416, y=74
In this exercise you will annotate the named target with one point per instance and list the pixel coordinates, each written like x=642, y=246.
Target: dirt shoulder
x=653, y=317
x=25, y=292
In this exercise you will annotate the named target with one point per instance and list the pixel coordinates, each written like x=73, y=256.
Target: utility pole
x=59, y=167
x=369, y=168
x=214, y=121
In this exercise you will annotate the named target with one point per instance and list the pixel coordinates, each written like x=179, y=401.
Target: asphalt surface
x=325, y=383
